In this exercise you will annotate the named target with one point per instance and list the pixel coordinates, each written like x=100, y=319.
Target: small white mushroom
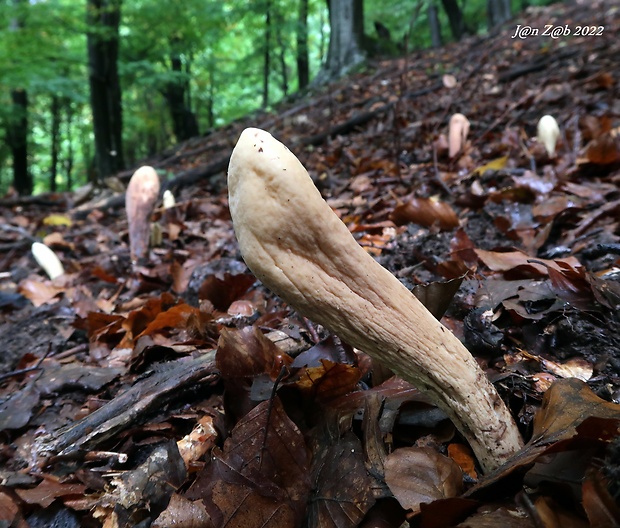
x=458, y=130
x=548, y=133
x=297, y=246
x=140, y=199
x=168, y=200
x=48, y=260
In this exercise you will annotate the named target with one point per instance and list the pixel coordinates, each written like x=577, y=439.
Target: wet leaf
x=16, y=411
x=342, y=487
x=566, y=405
x=437, y=296
x=261, y=477
x=329, y=381
x=48, y=490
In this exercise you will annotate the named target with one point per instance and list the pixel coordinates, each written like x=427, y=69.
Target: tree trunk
x=17, y=126
x=346, y=19
x=435, y=27
x=103, y=19
x=17, y=138
x=267, y=54
x=455, y=17
x=68, y=163
x=282, y=57
x=55, y=141
x=498, y=12
x=184, y=122
x=303, y=63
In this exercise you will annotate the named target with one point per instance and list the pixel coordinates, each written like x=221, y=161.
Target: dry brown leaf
x=421, y=475
x=603, y=150
x=39, y=293
x=183, y=513
x=48, y=491
x=509, y=260
x=425, y=212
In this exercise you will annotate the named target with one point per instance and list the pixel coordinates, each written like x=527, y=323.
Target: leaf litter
x=181, y=391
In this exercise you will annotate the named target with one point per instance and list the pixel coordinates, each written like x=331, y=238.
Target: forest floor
x=135, y=395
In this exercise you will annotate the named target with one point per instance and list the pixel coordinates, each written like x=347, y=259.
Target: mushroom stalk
x=296, y=245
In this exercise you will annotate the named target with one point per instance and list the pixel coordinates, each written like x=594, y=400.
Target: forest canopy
x=89, y=87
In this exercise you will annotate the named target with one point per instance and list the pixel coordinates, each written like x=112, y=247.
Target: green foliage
x=220, y=46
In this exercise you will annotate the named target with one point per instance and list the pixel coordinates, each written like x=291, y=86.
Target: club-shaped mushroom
x=458, y=130
x=48, y=260
x=548, y=132
x=140, y=199
x=299, y=248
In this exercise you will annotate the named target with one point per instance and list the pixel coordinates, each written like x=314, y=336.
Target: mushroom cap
x=48, y=260
x=548, y=132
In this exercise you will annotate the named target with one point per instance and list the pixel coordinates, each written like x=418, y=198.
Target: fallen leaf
x=425, y=212
x=342, y=488
x=421, y=475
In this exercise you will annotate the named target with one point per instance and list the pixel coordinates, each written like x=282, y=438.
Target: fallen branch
x=131, y=407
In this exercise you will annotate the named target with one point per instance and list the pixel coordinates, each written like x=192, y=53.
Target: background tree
x=303, y=60
x=346, y=21
x=455, y=16
x=17, y=122
x=498, y=12
x=103, y=17
x=183, y=67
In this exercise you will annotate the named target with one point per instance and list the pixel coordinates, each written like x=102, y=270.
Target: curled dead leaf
x=425, y=212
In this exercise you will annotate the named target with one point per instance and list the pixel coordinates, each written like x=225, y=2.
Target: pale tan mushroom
x=297, y=246
x=548, y=133
x=458, y=130
x=140, y=199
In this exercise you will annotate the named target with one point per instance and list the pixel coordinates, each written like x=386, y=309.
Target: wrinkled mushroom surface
x=140, y=200
x=458, y=130
x=297, y=246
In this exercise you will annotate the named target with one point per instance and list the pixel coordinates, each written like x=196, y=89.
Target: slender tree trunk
x=303, y=63
x=55, y=141
x=103, y=18
x=211, y=94
x=282, y=57
x=435, y=27
x=184, y=122
x=69, y=161
x=17, y=138
x=455, y=17
x=267, y=54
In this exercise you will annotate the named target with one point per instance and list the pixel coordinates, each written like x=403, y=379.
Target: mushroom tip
x=548, y=132
x=48, y=260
